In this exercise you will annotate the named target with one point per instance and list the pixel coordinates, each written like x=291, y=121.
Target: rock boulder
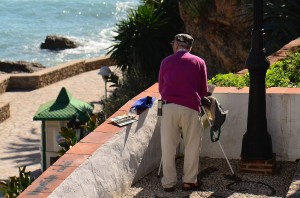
x=54, y=42
x=19, y=67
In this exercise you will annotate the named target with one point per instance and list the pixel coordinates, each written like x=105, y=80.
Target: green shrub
x=142, y=40
x=16, y=185
x=129, y=89
x=69, y=139
x=284, y=73
x=230, y=80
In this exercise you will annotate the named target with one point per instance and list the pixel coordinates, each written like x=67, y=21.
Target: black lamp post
x=105, y=72
x=257, y=143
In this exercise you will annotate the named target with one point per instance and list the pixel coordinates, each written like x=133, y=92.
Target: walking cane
x=159, y=169
x=210, y=124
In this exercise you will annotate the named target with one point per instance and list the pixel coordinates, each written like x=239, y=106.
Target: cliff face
x=222, y=34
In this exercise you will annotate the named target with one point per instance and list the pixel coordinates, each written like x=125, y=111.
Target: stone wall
x=4, y=80
x=51, y=75
x=4, y=111
x=4, y=106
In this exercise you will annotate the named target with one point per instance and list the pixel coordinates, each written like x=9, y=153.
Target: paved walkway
x=20, y=135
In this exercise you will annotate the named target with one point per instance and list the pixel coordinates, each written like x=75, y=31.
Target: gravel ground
x=218, y=181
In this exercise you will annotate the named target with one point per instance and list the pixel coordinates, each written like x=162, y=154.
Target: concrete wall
x=283, y=123
x=110, y=171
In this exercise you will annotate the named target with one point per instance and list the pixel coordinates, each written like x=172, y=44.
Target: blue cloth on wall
x=143, y=103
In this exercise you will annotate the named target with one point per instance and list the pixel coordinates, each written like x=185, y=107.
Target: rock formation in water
x=54, y=42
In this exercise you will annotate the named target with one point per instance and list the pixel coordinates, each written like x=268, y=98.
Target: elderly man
x=182, y=84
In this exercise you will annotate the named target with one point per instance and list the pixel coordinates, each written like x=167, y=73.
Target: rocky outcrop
x=19, y=67
x=54, y=42
x=222, y=33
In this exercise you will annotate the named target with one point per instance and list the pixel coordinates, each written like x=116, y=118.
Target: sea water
x=24, y=25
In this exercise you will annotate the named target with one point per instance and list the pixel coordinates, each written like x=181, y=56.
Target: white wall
x=283, y=125
x=109, y=172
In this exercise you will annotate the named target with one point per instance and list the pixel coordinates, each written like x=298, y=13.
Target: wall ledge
x=50, y=75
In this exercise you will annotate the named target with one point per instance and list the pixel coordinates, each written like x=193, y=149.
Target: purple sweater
x=183, y=79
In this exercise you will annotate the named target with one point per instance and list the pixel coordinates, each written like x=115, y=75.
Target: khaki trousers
x=177, y=119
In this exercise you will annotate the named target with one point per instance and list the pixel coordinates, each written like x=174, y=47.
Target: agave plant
x=142, y=39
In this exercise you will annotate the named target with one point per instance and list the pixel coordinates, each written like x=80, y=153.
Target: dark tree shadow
x=25, y=152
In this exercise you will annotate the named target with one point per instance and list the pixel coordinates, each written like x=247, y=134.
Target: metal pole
x=257, y=143
x=105, y=82
x=225, y=157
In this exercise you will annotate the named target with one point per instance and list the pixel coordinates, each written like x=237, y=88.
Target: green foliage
x=284, y=73
x=16, y=185
x=230, y=80
x=70, y=135
x=93, y=122
x=139, y=41
x=142, y=39
x=69, y=139
x=114, y=79
x=124, y=93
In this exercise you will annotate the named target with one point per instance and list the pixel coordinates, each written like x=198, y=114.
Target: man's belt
x=166, y=102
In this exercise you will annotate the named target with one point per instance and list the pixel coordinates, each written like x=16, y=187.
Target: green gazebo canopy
x=64, y=108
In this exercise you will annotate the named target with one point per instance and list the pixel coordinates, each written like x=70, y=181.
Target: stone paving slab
x=20, y=135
